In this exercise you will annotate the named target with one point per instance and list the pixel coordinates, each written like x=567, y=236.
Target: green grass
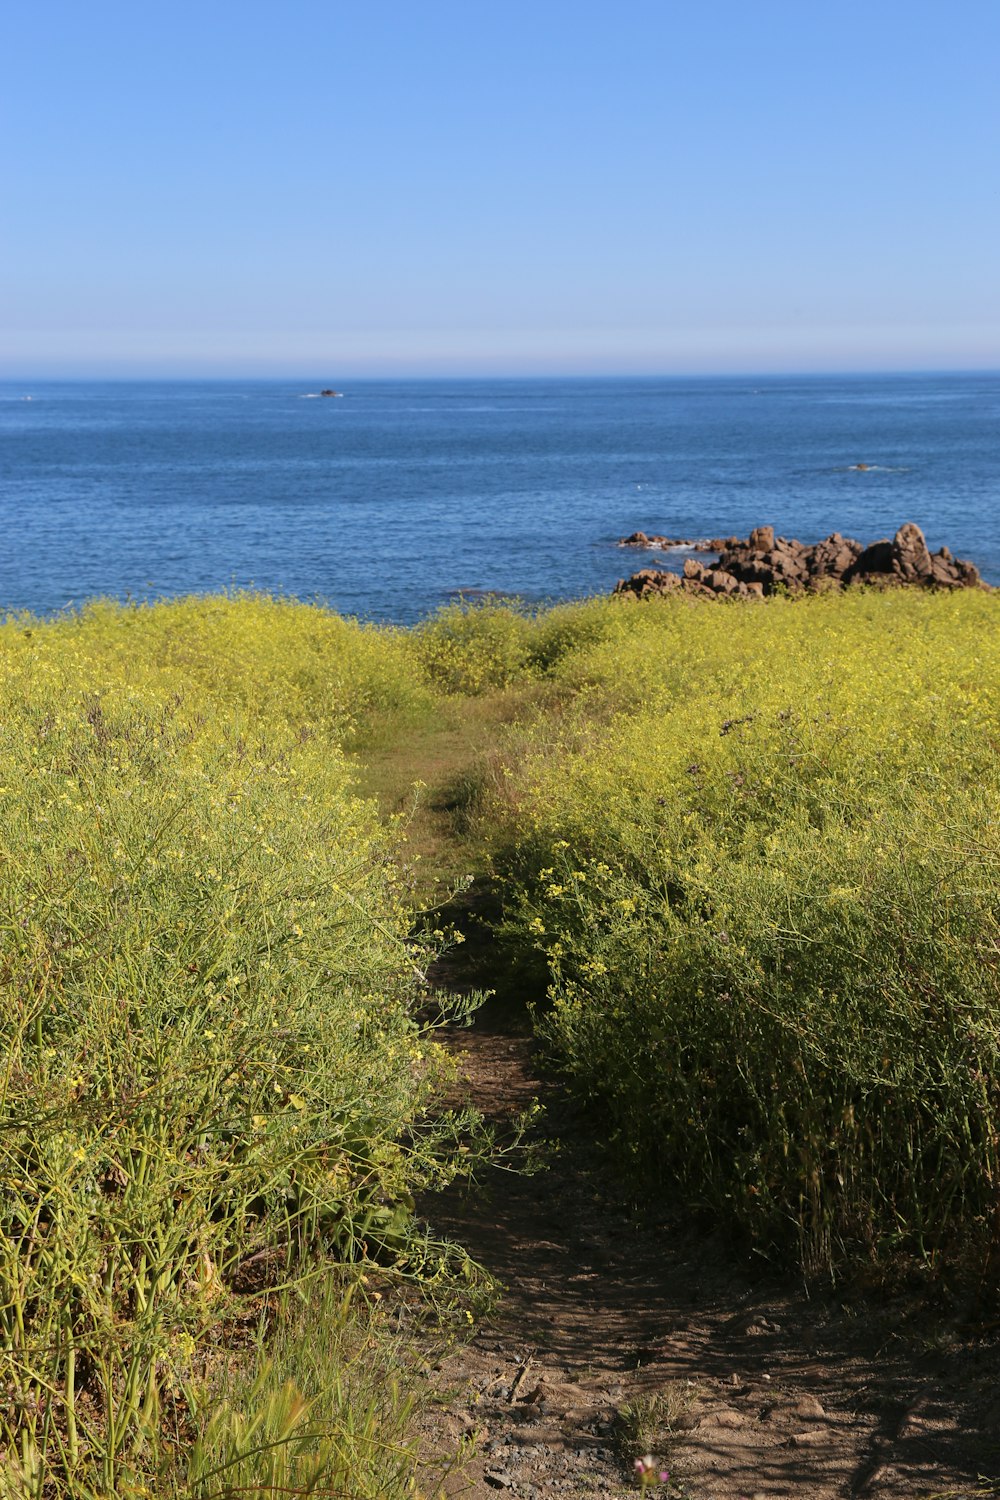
x=322, y=1400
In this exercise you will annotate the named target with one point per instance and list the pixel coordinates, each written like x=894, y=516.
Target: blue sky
x=456, y=187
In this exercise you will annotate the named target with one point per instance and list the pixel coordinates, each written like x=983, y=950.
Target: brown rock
x=809, y=1410
x=832, y=557
x=943, y=573
x=647, y=582
x=721, y=582
x=765, y=564
x=910, y=557
x=968, y=574
x=876, y=558
x=749, y=567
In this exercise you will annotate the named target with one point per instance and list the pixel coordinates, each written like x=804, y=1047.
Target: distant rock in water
x=667, y=543
x=765, y=564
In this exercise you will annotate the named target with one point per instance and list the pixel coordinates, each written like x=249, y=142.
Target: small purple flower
x=647, y=1473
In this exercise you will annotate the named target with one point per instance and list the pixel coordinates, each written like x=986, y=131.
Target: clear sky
x=384, y=187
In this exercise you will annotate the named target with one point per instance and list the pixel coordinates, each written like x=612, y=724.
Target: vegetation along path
x=625, y=1332
x=730, y=872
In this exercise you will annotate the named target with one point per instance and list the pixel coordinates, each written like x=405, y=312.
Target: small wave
x=684, y=548
x=912, y=398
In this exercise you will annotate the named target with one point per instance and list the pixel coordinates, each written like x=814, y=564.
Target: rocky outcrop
x=766, y=564
x=668, y=543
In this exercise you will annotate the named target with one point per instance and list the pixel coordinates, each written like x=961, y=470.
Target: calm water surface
x=386, y=501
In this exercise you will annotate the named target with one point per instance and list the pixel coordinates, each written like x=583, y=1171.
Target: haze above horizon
x=538, y=189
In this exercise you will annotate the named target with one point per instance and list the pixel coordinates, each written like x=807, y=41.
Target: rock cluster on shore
x=665, y=543
x=765, y=564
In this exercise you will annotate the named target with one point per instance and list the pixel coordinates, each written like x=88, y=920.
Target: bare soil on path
x=625, y=1330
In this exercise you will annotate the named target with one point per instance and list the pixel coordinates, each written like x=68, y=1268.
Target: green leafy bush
x=210, y=1063
x=474, y=648
x=762, y=865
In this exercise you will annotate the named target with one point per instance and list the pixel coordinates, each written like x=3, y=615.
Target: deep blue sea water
x=386, y=501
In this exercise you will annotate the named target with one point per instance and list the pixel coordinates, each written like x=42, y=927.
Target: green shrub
x=474, y=648
x=767, y=896
x=274, y=659
x=210, y=1063
x=568, y=628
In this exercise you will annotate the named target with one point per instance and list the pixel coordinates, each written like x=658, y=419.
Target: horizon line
x=471, y=376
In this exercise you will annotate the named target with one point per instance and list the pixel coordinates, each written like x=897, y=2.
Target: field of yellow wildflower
x=752, y=849
x=211, y=1070
x=757, y=848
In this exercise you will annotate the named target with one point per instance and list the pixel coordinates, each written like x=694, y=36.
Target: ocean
x=391, y=500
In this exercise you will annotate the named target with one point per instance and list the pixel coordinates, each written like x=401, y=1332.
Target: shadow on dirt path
x=623, y=1331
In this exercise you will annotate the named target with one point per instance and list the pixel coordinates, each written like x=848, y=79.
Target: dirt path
x=623, y=1332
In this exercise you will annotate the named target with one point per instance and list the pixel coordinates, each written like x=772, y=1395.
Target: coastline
x=764, y=564
x=384, y=501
